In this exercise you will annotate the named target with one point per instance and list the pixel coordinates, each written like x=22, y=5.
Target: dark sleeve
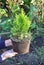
x=2, y=43
x=0, y=59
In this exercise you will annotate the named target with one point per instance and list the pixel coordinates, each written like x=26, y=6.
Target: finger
x=12, y=54
x=4, y=58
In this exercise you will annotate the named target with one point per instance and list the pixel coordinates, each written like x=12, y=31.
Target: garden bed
x=32, y=10
x=35, y=57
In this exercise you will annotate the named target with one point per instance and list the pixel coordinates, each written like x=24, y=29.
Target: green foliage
x=10, y=3
x=37, y=29
x=5, y=25
x=39, y=5
x=2, y=12
x=21, y=24
x=4, y=21
x=37, y=26
x=3, y=1
x=40, y=52
x=18, y=23
x=31, y=12
x=15, y=10
x=27, y=2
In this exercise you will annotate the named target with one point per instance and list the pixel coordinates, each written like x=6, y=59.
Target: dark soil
x=37, y=42
x=29, y=58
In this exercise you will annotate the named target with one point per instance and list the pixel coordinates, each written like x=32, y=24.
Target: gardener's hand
x=8, y=54
x=8, y=42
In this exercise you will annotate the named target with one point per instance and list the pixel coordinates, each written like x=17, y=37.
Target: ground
x=34, y=57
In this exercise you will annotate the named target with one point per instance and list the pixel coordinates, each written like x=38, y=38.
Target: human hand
x=8, y=54
x=8, y=42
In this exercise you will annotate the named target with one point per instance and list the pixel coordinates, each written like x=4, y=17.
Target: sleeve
x=2, y=43
x=0, y=59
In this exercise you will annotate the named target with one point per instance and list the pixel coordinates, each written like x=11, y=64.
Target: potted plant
x=19, y=33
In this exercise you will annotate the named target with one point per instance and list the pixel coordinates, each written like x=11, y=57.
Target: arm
x=7, y=54
x=2, y=43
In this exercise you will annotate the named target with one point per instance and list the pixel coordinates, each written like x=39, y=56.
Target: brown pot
x=21, y=47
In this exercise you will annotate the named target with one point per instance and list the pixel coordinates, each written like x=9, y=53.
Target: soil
x=37, y=42
x=29, y=58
